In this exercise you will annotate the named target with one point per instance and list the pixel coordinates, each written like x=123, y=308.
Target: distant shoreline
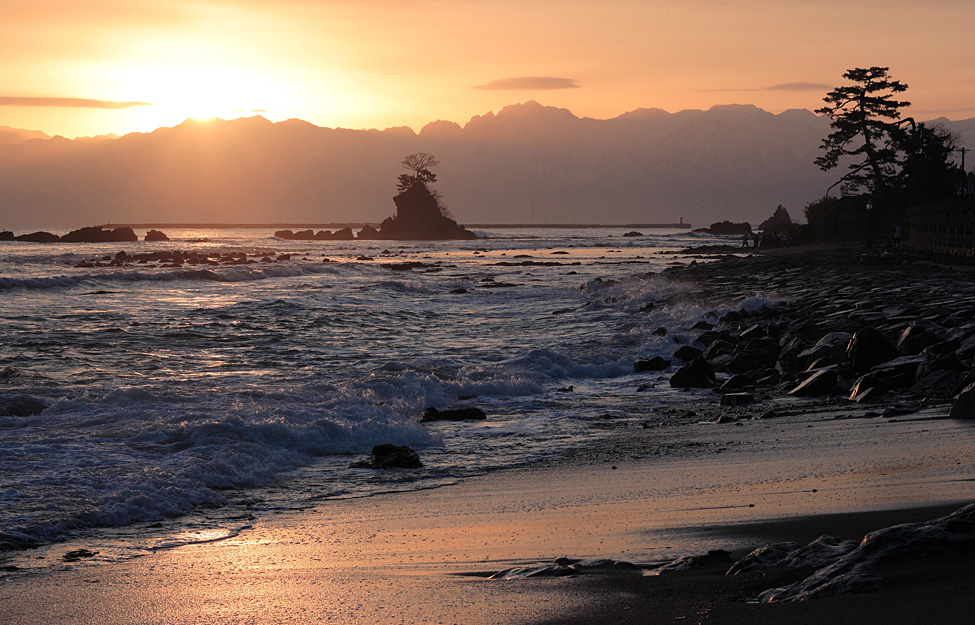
x=363, y=224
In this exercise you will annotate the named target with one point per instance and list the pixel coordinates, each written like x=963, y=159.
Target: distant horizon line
x=374, y=224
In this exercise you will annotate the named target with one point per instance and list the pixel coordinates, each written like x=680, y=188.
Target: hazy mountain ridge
x=527, y=163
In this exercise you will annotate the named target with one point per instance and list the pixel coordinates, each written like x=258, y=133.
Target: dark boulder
x=766, y=345
x=869, y=395
x=869, y=348
x=936, y=383
x=868, y=382
x=821, y=382
x=345, y=234
x=964, y=406
x=656, y=363
x=899, y=373
x=831, y=346
x=719, y=347
x=687, y=353
x=695, y=374
x=20, y=406
x=914, y=339
x=750, y=360
x=736, y=399
x=284, y=234
x=755, y=331
x=947, y=363
x=468, y=413
x=6, y=235
x=389, y=456
x=156, y=235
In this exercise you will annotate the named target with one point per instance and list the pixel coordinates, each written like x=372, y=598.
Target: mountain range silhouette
x=528, y=163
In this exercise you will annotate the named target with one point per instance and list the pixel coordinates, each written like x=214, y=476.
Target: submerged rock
x=656, y=363
x=20, y=406
x=389, y=456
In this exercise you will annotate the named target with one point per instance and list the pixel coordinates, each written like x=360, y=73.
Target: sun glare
x=178, y=94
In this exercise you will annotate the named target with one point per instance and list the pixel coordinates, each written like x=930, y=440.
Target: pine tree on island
x=420, y=212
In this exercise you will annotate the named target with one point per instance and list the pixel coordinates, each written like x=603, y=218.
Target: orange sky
x=116, y=66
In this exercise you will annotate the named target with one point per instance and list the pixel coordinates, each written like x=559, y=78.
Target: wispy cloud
x=529, y=83
x=798, y=86
x=75, y=103
x=785, y=86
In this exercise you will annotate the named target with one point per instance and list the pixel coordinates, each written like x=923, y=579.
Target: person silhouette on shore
x=897, y=236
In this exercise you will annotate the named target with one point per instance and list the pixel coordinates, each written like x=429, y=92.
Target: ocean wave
x=156, y=459
x=51, y=282
x=228, y=274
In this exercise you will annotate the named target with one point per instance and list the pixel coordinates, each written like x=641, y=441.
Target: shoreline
x=423, y=556
x=646, y=495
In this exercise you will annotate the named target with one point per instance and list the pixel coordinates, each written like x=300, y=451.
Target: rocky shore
x=895, y=330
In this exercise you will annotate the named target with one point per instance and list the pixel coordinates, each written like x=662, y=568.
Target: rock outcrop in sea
x=419, y=217
x=98, y=234
x=88, y=234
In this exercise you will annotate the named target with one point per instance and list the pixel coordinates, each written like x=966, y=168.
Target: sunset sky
x=116, y=66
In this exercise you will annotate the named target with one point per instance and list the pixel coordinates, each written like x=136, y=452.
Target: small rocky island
x=420, y=212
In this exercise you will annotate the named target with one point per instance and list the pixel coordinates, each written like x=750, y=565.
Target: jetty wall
x=944, y=228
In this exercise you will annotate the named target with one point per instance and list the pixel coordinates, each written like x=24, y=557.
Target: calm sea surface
x=183, y=400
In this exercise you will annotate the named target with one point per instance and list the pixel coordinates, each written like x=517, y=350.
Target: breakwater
x=944, y=228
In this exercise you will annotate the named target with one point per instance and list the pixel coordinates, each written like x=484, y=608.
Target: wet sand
x=422, y=557
x=646, y=496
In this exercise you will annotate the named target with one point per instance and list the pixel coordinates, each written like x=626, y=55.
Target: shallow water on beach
x=182, y=400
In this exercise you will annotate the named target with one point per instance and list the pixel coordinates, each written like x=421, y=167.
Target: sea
x=182, y=402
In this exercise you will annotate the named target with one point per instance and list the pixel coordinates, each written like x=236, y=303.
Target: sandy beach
x=695, y=478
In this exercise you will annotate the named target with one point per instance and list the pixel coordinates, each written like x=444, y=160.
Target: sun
x=176, y=94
